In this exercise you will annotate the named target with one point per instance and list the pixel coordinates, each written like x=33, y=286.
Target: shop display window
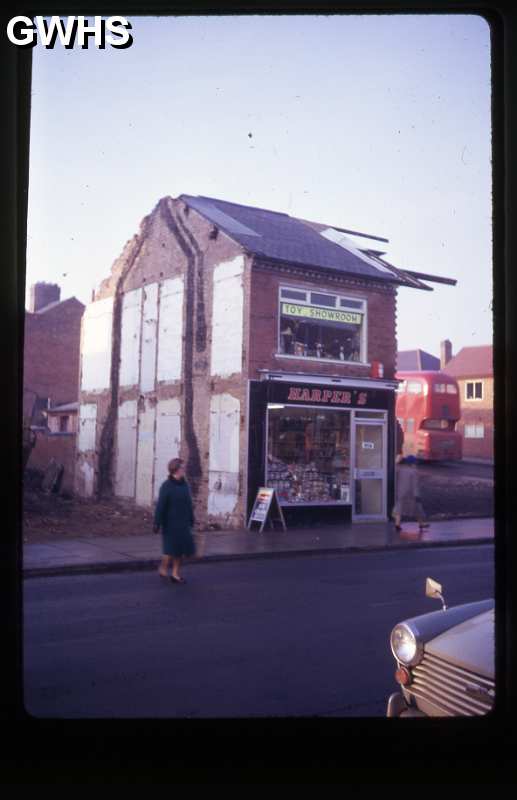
x=308, y=459
x=317, y=325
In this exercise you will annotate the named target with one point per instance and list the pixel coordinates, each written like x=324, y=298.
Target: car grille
x=452, y=690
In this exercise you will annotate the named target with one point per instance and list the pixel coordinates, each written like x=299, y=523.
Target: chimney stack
x=445, y=353
x=42, y=294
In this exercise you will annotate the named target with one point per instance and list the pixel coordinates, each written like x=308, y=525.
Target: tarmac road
x=298, y=636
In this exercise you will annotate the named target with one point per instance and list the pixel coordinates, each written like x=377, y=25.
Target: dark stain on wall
x=201, y=326
x=194, y=469
x=107, y=437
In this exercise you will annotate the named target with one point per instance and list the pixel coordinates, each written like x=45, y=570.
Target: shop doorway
x=369, y=486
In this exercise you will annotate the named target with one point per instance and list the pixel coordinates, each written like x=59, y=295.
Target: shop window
x=321, y=326
x=308, y=460
x=474, y=431
x=414, y=387
x=63, y=424
x=474, y=390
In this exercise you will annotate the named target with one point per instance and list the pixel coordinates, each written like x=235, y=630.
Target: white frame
x=364, y=328
x=473, y=425
x=384, y=470
x=475, y=399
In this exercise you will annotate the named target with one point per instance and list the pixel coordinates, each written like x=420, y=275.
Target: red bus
x=428, y=408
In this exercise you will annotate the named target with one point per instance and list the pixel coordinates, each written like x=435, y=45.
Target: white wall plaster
x=168, y=438
x=130, y=338
x=227, y=317
x=87, y=427
x=149, y=331
x=88, y=476
x=145, y=456
x=126, y=449
x=223, y=466
x=96, y=345
x=170, y=334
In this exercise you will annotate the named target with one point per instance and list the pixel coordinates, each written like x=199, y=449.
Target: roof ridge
x=238, y=205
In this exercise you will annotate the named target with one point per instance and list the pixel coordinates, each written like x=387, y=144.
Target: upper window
x=414, y=387
x=63, y=423
x=321, y=325
x=474, y=390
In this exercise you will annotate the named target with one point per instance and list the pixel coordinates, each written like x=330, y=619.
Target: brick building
x=472, y=368
x=259, y=347
x=51, y=377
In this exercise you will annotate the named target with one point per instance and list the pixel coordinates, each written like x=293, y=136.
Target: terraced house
x=259, y=347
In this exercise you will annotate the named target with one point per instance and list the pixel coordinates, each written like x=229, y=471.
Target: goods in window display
x=304, y=483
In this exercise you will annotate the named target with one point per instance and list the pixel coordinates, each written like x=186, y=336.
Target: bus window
x=401, y=387
x=414, y=387
x=438, y=424
x=440, y=388
x=452, y=389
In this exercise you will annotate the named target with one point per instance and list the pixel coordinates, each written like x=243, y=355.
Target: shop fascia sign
x=325, y=396
x=321, y=314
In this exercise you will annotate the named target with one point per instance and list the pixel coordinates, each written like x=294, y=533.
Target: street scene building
x=259, y=347
x=473, y=369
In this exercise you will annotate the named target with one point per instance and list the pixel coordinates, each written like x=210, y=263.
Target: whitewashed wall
x=126, y=450
x=96, y=345
x=87, y=427
x=227, y=317
x=145, y=456
x=130, y=338
x=149, y=343
x=223, y=467
x=170, y=334
x=168, y=438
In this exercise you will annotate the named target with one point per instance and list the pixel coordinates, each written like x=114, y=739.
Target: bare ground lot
x=448, y=491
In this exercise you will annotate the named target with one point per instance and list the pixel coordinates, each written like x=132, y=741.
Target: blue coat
x=175, y=516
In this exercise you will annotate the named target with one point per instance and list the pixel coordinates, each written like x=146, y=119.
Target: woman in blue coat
x=175, y=516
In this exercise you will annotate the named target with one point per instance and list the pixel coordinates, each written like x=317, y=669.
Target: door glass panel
x=368, y=497
x=368, y=446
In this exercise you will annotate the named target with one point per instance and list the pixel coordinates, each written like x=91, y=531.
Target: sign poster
x=266, y=503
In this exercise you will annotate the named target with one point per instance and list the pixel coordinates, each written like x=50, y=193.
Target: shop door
x=369, y=471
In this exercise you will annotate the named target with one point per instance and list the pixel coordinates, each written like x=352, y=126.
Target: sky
x=377, y=123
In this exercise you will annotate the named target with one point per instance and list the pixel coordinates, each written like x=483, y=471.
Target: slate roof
x=471, y=362
x=65, y=407
x=416, y=360
x=278, y=237
x=56, y=303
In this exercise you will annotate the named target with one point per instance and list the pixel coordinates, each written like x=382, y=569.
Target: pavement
x=116, y=554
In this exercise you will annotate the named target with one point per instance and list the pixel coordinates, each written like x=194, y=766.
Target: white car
x=445, y=661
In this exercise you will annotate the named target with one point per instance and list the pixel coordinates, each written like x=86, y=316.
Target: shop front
x=325, y=443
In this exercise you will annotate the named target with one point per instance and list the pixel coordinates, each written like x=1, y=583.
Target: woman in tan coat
x=408, y=502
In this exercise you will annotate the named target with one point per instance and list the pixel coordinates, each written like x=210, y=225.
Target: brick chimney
x=42, y=294
x=445, y=353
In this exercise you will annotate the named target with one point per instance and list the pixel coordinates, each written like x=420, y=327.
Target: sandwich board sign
x=266, y=502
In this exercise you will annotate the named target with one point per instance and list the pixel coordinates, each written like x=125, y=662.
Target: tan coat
x=407, y=492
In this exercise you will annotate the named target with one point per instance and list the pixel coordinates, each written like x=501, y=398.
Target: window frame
x=473, y=383
x=476, y=427
x=362, y=309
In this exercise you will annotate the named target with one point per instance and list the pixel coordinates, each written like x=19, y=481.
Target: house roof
x=277, y=236
x=408, y=360
x=471, y=362
x=64, y=407
x=56, y=303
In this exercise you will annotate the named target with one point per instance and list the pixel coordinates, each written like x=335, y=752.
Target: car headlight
x=405, y=646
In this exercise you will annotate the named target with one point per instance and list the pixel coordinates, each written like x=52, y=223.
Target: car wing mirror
x=433, y=589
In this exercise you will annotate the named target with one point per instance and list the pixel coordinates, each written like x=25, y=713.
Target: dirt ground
x=446, y=493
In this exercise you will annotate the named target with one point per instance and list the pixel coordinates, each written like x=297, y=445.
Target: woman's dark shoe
x=177, y=580
x=398, y=528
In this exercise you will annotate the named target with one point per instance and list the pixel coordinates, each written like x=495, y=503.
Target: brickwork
x=478, y=411
x=59, y=446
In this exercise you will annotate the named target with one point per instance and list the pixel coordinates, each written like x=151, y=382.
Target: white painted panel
x=224, y=454
x=149, y=331
x=96, y=345
x=130, y=338
x=126, y=449
x=145, y=457
x=227, y=318
x=170, y=334
x=87, y=475
x=87, y=427
x=168, y=438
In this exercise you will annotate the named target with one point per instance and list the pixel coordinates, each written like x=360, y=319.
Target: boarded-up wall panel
x=227, y=318
x=168, y=438
x=145, y=456
x=96, y=345
x=223, y=476
x=170, y=335
x=126, y=450
x=149, y=330
x=130, y=341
